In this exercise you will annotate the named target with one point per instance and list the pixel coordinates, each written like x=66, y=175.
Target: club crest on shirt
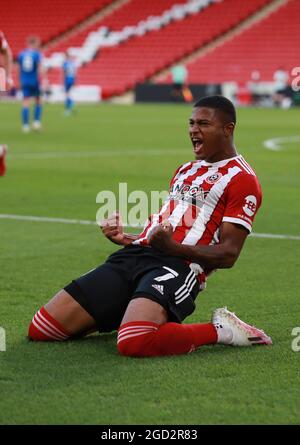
x=214, y=178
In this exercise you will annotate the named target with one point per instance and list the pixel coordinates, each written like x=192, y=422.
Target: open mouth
x=197, y=144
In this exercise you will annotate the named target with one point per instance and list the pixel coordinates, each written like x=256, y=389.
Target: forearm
x=124, y=239
x=218, y=256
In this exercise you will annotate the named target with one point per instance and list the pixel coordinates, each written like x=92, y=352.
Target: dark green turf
x=86, y=381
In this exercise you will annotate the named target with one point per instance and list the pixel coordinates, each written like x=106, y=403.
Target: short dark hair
x=33, y=40
x=219, y=103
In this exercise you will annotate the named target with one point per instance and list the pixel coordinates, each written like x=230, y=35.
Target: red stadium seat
x=140, y=57
x=129, y=14
x=265, y=46
x=116, y=69
x=46, y=18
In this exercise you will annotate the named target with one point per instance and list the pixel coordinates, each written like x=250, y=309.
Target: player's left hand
x=161, y=238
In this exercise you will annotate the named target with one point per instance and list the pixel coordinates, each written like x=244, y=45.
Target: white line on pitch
x=46, y=219
x=96, y=154
x=275, y=236
x=88, y=222
x=275, y=144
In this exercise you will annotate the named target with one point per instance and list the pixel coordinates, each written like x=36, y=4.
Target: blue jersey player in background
x=29, y=61
x=69, y=71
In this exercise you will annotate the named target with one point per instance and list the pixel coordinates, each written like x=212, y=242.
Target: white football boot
x=233, y=331
x=37, y=125
x=26, y=128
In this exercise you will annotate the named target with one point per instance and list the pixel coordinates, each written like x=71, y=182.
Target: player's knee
x=43, y=327
x=135, y=338
x=125, y=349
x=131, y=348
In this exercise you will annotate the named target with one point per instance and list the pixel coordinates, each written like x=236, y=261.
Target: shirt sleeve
x=243, y=199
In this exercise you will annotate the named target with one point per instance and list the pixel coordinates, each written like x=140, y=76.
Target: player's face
x=206, y=131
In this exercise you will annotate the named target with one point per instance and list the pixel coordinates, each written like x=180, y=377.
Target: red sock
x=2, y=160
x=44, y=327
x=147, y=339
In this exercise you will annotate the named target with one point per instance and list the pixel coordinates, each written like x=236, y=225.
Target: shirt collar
x=219, y=163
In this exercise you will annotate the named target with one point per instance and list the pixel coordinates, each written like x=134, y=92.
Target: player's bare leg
x=61, y=318
x=69, y=313
x=145, y=309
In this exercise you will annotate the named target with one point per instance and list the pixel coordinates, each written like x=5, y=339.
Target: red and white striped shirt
x=204, y=195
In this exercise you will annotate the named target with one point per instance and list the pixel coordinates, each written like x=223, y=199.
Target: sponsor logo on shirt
x=250, y=205
x=194, y=194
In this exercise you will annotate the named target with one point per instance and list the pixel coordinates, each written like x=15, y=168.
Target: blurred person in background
x=69, y=71
x=6, y=53
x=6, y=83
x=254, y=87
x=31, y=73
x=282, y=89
x=180, y=89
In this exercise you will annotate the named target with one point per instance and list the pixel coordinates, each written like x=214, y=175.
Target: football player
x=6, y=53
x=30, y=69
x=69, y=72
x=146, y=289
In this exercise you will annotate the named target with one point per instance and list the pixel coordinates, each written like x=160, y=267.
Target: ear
x=229, y=129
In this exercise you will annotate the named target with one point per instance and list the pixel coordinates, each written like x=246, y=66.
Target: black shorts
x=132, y=272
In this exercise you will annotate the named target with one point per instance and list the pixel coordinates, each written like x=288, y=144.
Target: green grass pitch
x=58, y=173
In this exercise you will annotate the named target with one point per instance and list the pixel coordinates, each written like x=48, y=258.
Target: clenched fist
x=161, y=238
x=112, y=228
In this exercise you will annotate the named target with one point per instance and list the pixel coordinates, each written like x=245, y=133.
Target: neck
x=229, y=152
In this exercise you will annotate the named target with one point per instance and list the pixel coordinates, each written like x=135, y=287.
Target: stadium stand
x=265, y=46
x=47, y=18
x=128, y=14
x=119, y=68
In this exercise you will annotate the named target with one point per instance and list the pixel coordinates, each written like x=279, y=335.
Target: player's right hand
x=112, y=228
